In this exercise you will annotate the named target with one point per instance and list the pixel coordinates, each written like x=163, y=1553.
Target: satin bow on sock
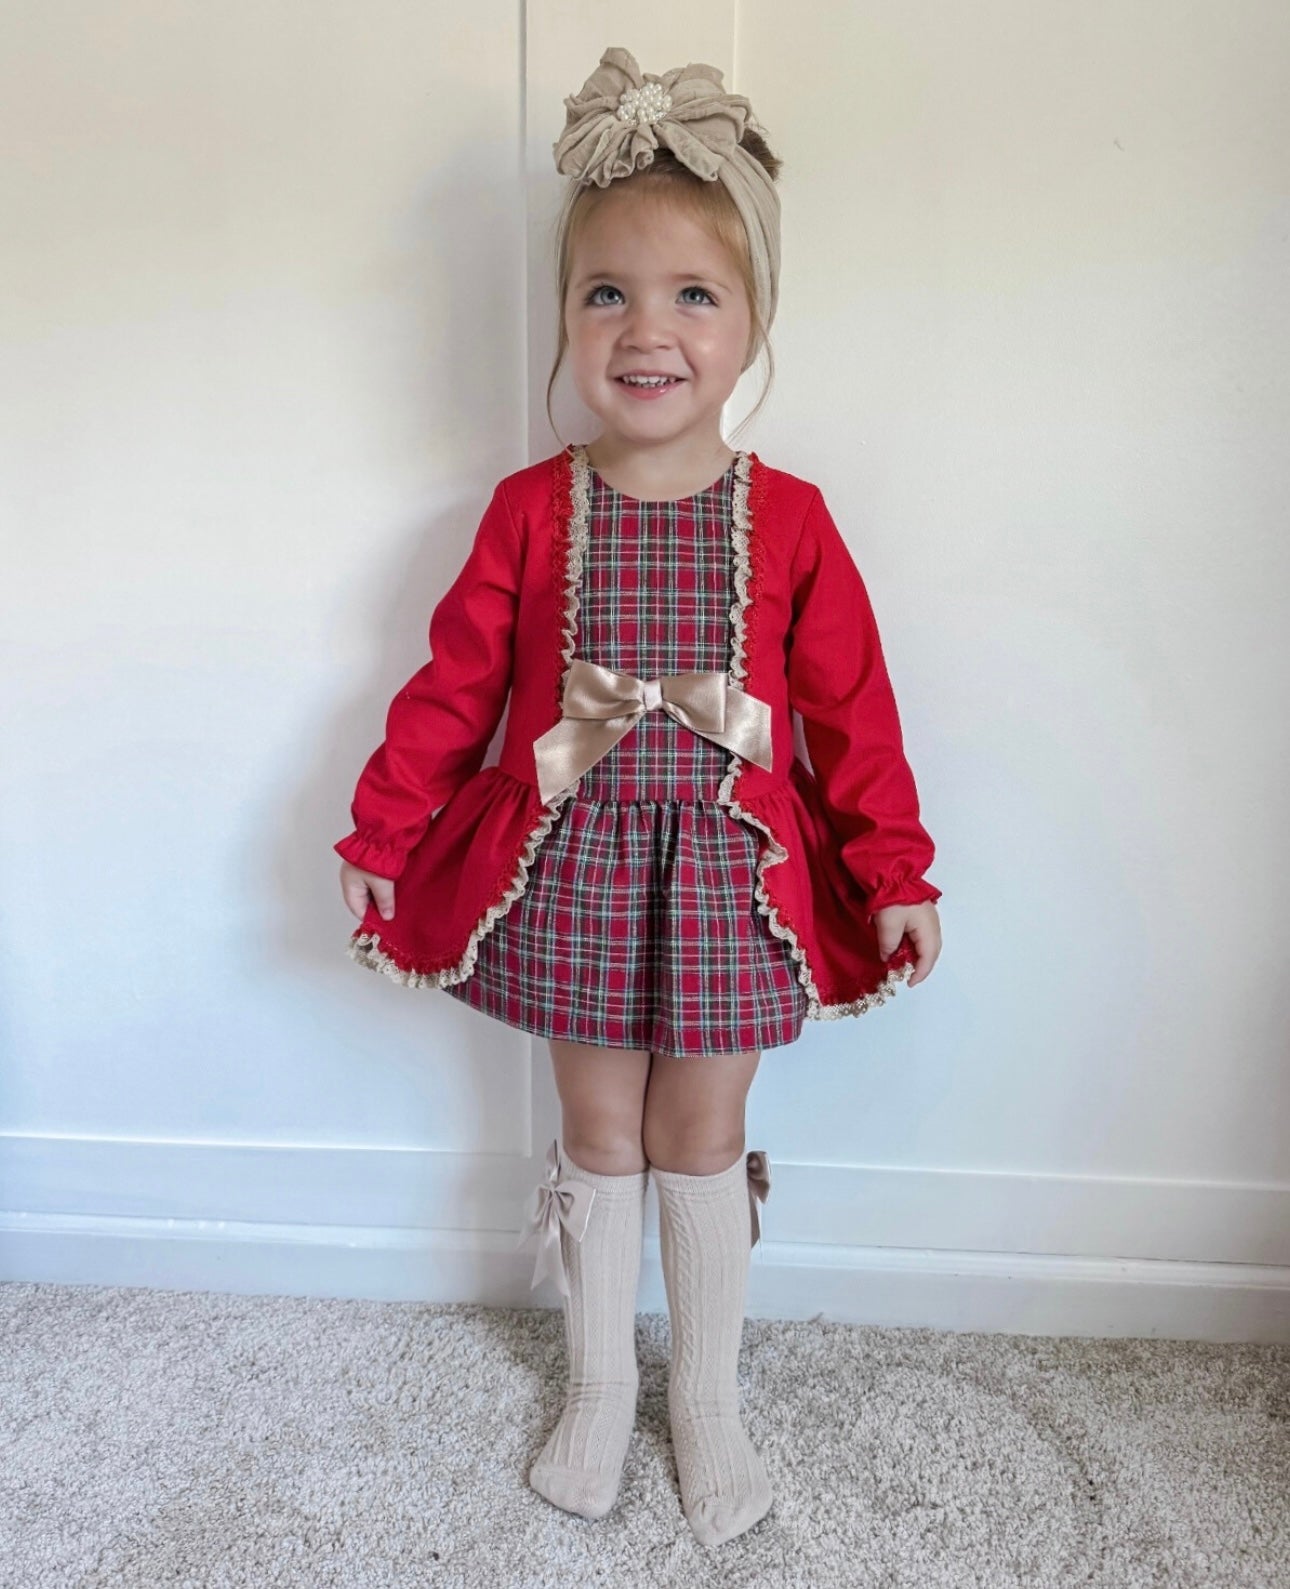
x=555, y=1202
x=758, y=1187
x=600, y=707
x=567, y=1202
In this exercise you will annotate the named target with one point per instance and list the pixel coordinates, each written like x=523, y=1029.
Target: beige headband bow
x=617, y=121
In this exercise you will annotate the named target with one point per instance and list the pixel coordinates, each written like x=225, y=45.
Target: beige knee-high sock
x=705, y=1240
x=581, y=1465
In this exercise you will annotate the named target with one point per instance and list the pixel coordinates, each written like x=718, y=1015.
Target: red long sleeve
x=838, y=681
x=441, y=723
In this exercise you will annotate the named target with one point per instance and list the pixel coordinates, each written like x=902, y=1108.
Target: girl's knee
x=694, y=1112
x=690, y=1144
x=602, y=1094
x=605, y=1152
x=683, y=1159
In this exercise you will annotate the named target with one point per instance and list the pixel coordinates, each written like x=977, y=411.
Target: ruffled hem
x=468, y=836
x=813, y=898
x=839, y=978
x=791, y=817
x=900, y=890
x=468, y=839
x=382, y=860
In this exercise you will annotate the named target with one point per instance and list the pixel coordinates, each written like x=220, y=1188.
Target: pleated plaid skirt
x=638, y=927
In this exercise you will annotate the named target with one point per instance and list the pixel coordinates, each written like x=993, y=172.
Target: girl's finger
x=382, y=891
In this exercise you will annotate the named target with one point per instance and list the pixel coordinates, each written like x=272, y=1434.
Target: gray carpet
x=156, y=1438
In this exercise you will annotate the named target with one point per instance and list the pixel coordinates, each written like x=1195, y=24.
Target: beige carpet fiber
x=153, y=1438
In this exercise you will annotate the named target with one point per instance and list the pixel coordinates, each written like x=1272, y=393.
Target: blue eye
x=593, y=298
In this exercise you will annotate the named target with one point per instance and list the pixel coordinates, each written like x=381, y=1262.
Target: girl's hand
x=924, y=928
x=356, y=885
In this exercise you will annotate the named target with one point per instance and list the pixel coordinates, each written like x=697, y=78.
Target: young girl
x=650, y=878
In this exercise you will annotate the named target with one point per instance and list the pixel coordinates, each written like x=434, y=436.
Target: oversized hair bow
x=614, y=124
x=621, y=115
x=600, y=706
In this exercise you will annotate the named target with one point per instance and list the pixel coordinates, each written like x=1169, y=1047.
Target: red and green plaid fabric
x=639, y=927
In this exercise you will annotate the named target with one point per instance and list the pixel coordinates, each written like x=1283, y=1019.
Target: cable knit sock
x=581, y=1465
x=705, y=1239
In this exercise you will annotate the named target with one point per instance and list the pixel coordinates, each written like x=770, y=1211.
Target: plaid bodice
x=655, y=597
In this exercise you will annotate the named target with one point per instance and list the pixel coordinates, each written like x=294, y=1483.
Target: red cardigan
x=837, y=841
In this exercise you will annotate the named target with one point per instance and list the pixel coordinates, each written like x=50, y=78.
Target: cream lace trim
x=816, y=1010
x=365, y=948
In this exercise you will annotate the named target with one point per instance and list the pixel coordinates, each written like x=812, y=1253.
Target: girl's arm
x=442, y=721
x=838, y=681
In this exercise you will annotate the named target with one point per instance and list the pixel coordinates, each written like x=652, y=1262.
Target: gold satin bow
x=555, y=1203
x=758, y=1187
x=600, y=707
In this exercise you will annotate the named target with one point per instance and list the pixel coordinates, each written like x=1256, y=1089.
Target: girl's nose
x=646, y=328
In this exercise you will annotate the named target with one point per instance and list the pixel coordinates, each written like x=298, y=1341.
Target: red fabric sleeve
x=441, y=723
x=838, y=682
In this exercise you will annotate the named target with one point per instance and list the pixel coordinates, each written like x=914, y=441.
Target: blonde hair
x=667, y=180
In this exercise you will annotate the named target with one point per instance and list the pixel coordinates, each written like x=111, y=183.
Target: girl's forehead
x=646, y=238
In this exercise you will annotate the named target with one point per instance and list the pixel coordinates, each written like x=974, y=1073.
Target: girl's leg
x=602, y=1105
x=694, y=1111
x=694, y=1138
x=602, y=1093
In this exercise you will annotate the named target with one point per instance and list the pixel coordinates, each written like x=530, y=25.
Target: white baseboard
x=1009, y=1293
x=938, y=1248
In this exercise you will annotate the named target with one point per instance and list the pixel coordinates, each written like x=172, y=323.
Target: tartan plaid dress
x=638, y=927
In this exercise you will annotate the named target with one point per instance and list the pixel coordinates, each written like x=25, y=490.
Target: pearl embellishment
x=644, y=105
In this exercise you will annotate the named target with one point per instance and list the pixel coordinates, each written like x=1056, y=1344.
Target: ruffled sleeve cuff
x=901, y=891
x=382, y=860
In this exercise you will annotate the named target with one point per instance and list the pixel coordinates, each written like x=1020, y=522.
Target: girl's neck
x=654, y=475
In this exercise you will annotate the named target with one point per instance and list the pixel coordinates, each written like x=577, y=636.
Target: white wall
x=277, y=314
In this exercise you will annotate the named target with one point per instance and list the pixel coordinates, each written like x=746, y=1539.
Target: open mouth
x=653, y=387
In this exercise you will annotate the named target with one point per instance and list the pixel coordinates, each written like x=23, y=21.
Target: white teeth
x=647, y=380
